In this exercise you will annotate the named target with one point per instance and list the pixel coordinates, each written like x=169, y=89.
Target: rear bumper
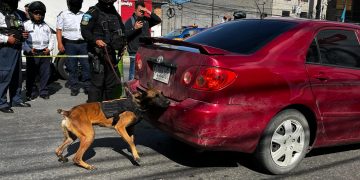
x=209, y=126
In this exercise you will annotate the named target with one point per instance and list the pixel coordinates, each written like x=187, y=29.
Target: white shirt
x=69, y=23
x=40, y=37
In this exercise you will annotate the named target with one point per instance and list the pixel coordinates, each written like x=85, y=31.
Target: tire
x=61, y=68
x=280, y=151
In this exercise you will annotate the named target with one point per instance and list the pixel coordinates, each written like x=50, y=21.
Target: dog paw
x=63, y=159
x=91, y=168
x=137, y=160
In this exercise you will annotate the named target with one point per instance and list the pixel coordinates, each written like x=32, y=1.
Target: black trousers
x=37, y=67
x=103, y=84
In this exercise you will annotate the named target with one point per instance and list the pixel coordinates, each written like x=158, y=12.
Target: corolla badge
x=160, y=59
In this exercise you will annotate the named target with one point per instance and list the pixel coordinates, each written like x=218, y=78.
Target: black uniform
x=102, y=22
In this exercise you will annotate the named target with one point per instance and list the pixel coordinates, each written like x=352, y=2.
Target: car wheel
x=61, y=68
x=284, y=143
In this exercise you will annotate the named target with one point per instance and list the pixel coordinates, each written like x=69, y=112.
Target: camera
x=140, y=19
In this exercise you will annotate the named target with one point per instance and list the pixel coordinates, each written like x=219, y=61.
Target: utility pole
x=263, y=12
x=212, y=13
x=318, y=9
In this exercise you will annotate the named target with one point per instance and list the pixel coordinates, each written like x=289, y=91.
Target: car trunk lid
x=165, y=61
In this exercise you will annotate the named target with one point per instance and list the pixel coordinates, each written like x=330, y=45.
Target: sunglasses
x=39, y=13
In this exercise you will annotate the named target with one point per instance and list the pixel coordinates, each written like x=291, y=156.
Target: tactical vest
x=108, y=28
x=115, y=107
x=14, y=26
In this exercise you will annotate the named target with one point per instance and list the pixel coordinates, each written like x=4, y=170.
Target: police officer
x=39, y=43
x=103, y=29
x=71, y=42
x=12, y=35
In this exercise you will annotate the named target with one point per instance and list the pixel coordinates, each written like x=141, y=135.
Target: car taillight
x=138, y=62
x=208, y=78
x=188, y=75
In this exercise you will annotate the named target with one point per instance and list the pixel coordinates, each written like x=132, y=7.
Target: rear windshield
x=242, y=36
x=176, y=32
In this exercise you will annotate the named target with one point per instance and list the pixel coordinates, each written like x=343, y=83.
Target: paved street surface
x=29, y=138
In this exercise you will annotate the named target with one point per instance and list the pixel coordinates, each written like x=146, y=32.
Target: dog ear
x=127, y=91
x=150, y=85
x=135, y=97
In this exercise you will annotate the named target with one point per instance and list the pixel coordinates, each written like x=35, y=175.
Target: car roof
x=313, y=22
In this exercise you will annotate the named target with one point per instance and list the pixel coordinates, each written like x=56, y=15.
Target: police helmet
x=8, y=6
x=74, y=5
x=37, y=7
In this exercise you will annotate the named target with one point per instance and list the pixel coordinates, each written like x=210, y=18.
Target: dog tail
x=62, y=112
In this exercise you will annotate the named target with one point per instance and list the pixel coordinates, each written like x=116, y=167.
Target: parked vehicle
x=183, y=33
x=274, y=87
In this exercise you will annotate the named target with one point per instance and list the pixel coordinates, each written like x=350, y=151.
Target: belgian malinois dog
x=118, y=114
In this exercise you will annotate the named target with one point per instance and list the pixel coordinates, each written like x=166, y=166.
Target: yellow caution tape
x=65, y=56
x=59, y=56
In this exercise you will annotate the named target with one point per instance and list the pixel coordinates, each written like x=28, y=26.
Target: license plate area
x=161, y=73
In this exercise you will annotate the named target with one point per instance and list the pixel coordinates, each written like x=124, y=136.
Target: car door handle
x=321, y=77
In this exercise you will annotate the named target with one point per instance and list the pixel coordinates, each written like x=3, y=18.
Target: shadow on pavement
x=186, y=155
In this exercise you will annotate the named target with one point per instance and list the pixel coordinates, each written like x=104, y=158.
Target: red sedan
x=272, y=87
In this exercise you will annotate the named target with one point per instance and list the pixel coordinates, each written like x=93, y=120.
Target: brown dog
x=78, y=122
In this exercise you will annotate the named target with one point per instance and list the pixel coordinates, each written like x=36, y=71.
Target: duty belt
x=80, y=41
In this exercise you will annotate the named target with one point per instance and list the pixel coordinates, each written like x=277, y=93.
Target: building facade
x=336, y=8
x=206, y=13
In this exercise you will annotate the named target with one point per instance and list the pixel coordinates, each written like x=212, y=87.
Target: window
x=312, y=55
x=192, y=32
x=339, y=47
x=285, y=13
x=242, y=36
x=303, y=15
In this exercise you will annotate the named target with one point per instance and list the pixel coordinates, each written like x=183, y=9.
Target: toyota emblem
x=160, y=59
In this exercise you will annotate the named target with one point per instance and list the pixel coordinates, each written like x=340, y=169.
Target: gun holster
x=98, y=67
x=38, y=53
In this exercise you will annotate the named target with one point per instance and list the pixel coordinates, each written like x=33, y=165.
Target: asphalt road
x=30, y=135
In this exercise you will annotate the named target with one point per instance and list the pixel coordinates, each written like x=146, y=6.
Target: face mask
x=75, y=6
x=9, y=6
x=108, y=1
x=106, y=5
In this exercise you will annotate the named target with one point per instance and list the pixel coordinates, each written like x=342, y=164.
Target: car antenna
x=262, y=15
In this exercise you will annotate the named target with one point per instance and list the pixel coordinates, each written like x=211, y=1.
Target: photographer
x=40, y=42
x=136, y=27
x=12, y=35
